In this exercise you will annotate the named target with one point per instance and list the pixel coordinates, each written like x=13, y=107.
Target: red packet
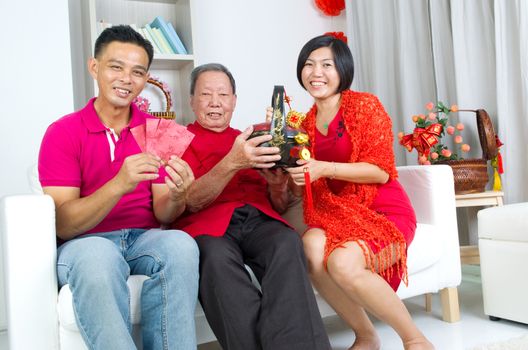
x=140, y=135
x=165, y=138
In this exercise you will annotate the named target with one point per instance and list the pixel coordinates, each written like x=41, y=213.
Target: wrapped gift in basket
x=470, y=175
x=288, y=136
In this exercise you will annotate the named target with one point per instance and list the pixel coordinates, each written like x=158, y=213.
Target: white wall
x=36, y=88
x=259, y=42
x=36, y=82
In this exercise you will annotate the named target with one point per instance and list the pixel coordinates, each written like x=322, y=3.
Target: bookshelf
x=173, y=69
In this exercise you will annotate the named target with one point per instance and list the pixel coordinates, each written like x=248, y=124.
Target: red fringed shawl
x=346, y=216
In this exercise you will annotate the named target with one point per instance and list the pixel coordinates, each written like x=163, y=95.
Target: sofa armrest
x=432, y=193
x=27, y=228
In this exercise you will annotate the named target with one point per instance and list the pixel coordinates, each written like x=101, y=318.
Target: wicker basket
x=471, y=175
x=167, y=114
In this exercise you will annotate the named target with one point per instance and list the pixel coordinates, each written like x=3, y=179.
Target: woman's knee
x=314, y=244
x=346, y=266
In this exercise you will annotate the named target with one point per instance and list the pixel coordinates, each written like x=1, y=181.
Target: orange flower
x=415, y=118
x=458, y=139
x=465, y=147
x=460, y=126
x=450, y=129
x=433, y=155
x=454, y=108
x=446, y=153
x=429, y=106
x=400, y=135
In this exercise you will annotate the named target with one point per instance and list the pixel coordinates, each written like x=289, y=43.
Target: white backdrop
x=36, y=88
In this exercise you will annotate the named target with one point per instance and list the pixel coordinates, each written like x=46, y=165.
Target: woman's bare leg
x=348, y=269
x=353, y=314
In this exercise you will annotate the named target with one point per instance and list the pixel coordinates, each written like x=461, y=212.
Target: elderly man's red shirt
x=246, y=187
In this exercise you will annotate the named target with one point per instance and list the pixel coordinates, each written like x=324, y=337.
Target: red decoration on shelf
x=330, y=7
x=338, y=35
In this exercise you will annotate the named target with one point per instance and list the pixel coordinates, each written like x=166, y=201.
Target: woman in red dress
x=361, y=220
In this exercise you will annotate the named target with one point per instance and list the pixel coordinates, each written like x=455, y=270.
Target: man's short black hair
x=123, y=34
x=211, y=67
x=343, y=59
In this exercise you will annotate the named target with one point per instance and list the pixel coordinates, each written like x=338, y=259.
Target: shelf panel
x=171, y=61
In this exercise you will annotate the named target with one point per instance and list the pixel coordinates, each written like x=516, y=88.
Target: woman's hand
x=316, y=168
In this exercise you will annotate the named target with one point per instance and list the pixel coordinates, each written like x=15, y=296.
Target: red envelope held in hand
x=162, y=137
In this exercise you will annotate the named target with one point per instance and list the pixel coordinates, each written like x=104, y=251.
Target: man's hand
x=277, y=179
x=136, y=168
x=180, y=177
x=277, y=188
x=247, y=154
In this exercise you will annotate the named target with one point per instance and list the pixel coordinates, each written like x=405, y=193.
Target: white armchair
x=503, y=246
x=41, y=317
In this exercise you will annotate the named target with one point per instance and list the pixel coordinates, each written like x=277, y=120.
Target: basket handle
x=168, y=99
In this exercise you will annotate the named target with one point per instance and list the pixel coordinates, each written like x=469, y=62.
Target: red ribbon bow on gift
x=422, y=138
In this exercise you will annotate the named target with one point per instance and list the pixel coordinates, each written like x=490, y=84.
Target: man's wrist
x=278, y=188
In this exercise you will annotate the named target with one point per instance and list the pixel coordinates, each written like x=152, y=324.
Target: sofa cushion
x=426, y=248
x=505, y=223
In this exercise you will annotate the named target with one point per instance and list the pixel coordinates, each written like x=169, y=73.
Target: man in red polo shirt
x=231, y=212
x=109, y=198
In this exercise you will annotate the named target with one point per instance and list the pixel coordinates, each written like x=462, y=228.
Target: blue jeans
x=97, y=266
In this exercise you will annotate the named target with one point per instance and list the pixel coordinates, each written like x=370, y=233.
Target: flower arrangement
x=142, y=103
x=429, y=130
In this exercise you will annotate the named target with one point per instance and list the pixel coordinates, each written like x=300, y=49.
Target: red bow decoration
x=422, y=138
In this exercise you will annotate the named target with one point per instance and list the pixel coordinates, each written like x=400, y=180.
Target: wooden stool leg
x=450, y=307
x=428, y=302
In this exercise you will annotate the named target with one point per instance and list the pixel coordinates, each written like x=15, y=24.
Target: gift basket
x=285, y=128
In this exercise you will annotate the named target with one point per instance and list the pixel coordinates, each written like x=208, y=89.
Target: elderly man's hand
x=180, y=177
x=247, y=154
x=277, y=179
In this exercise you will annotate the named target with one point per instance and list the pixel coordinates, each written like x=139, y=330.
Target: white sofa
x=503, y=248
x=39, y=317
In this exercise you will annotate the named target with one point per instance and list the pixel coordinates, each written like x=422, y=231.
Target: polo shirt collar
x=94, y=124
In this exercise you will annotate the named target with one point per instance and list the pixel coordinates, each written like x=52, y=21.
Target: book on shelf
x=164, y=43
x=154, y=38
x=146, y=35
x=169, y=32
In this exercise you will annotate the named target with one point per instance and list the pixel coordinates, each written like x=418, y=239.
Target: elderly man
x=231, y=212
